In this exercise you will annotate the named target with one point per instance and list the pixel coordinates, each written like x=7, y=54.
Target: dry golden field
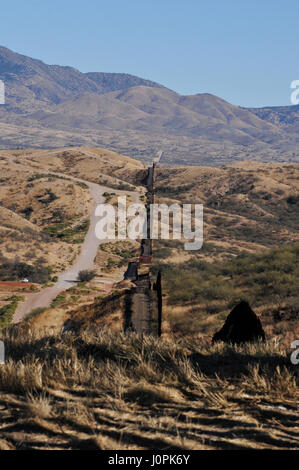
x=102, y=390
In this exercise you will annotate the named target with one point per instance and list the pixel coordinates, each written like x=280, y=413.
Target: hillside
x=40, y=207
x=284, y=117
x=51, y=106
x=30, y=203
x=249, y=208
x=46, y=214
x=73, y=380
x=249, y=251
x=40, y=84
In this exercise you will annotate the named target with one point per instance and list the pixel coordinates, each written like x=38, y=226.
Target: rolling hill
x=53, y=106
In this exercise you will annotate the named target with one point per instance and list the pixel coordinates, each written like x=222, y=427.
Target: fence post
x=2, y=353
x=158, y=288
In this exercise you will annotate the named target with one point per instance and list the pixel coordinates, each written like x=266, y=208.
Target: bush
x=14, y=271
x=7, y=312
x=59, y=300
x=86, y=275
x=260, y=277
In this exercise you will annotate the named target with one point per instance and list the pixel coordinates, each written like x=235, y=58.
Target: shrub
x=7, y=313
x=59, y=300
x=14, y=271
x=27, y=212
x=261, y=278
x=86, y=275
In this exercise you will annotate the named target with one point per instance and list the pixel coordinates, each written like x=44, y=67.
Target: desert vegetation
x=86, y=275
x=77, y=382
x=70, y=233
x=15, y=271
x=246, y=207
x=201, y=294
x=113, y=257
x=102, y=390
x=7, y=311
x=42, y=214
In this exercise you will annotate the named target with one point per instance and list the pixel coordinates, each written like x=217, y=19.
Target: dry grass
x=43, y=215
x=31, y=203
x=38, y=406
x=103, y=390
x=246, y=205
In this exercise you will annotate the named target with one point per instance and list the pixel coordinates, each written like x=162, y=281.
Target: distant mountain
x=52, y=84
x=51, y=105
x=154, y=110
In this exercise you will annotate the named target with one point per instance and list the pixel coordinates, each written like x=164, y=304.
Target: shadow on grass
x=233, y=363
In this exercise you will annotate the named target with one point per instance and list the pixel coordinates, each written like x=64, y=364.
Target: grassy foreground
x=98, y=390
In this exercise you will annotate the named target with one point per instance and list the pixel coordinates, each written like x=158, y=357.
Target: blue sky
x=245, y=51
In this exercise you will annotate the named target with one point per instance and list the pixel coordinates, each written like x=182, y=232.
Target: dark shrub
x=86, y=275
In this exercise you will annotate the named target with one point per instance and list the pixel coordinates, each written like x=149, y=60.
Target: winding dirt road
x=85, y=260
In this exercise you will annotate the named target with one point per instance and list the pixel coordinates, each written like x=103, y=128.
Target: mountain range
x=54, y=106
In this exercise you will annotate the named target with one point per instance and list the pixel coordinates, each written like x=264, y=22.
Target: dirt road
x=85, y=260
